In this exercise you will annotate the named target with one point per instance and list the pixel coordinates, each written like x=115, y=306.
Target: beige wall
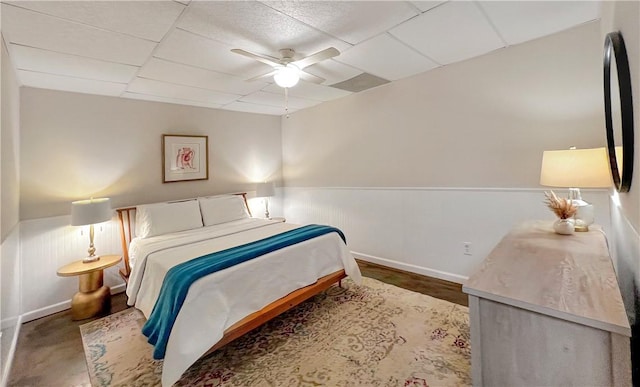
x=76, y=146
x=10, y=142
x=483, y=122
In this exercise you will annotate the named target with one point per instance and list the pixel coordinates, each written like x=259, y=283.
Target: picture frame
x=184, y=158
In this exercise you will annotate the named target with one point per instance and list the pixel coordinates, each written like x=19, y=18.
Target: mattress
x=216, y=302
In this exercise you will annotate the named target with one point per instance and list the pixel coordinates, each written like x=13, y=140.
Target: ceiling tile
x=255, y=108
x=145, y=19
x=184, y=47
x=518, y=22
x=96, y=47
x=35, y=59
x=33, y=29
x=169, y=90
x=427, y=5
x=58, y=82
x=450, y=33
x=177, y=101
x=351, y=21
x=278, y=100
x=385, y=57
x=253, y=26
x=332, y=71
x=163, y=70
x=310, y=91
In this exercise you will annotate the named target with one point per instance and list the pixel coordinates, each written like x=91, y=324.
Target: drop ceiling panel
x=427, y=5
x=254, y=27
x=310, y=91
x=332, y=71
x=386, y=57
x=34, y=59
x=169, y=90
x=145, y=19
x=255, y=108
x=33, y=29
x=452, y=32
x=518, y=22
x=58, y=82
x=351, y=21
x=171, y=72
x=99, y=47
x=177, y=101
x=184, y=47
x=278, y=100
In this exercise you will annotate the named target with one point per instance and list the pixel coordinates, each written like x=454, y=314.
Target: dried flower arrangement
x=563, y=208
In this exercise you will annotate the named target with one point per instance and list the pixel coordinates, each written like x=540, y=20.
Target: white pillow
x=163, y=218
x=222, y=209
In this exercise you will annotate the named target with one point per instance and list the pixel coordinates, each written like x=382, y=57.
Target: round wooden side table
x=93, y=297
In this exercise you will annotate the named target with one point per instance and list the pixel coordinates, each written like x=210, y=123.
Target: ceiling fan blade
x=271, y=61
x=317, y=57
x=311, y=78
x=261, y=76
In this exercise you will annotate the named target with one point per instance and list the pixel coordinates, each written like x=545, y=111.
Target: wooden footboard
x=276, y=308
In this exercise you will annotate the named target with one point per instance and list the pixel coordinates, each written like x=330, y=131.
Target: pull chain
x=286, y=102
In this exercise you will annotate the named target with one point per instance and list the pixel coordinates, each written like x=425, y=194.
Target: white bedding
x=219, y=300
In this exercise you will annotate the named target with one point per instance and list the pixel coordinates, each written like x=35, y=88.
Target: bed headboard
x=127, y=221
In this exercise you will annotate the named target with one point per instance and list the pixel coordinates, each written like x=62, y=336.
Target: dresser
x=545, y=309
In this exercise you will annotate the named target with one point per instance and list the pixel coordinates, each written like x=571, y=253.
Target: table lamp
x=574, y=169
x=265, y=190
x=90, y=212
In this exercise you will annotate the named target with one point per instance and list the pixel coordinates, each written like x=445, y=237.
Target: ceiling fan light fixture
x=287, y=76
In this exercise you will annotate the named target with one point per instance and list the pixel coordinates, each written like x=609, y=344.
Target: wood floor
x=50, y=349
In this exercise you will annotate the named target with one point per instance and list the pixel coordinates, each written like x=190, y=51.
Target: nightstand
x=93, y=297
x=279, y=219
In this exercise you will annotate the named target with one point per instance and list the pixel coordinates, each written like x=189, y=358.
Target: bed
x=225, y=304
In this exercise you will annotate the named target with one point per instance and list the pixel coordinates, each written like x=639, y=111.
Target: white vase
x=564, y=226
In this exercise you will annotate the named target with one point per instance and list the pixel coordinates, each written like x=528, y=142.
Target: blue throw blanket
x=180, y=277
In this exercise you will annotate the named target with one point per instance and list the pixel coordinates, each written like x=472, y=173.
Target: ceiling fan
x=287, y=71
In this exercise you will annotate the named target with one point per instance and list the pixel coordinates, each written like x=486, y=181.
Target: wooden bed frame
x=126, y=218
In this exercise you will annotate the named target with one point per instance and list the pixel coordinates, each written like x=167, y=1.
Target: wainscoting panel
x=10, y=289
x=624, y=244
x=424, y=230
x=10, y=279
x=49, y=243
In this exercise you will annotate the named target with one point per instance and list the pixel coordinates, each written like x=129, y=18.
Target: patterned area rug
x=370, y=335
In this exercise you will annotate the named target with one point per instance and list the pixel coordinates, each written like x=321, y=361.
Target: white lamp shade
x=264, y=190
x=576, y=168
x=90, y=211
x=287, y=76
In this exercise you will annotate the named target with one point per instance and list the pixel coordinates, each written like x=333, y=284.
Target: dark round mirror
x=618, y=109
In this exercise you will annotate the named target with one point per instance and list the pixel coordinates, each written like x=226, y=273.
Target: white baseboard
x=8, y=322
x=12, y=351
x=411, y=268
x=118, y=288
x=59, y=307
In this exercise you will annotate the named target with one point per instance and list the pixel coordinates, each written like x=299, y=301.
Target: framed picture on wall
x=184, y=158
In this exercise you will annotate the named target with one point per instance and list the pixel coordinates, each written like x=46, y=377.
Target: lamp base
x=585, y=213
x=91, y=259
x=584, y=228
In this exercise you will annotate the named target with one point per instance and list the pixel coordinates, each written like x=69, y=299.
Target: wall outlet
x=466, y=248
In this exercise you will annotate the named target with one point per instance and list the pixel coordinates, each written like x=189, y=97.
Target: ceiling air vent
x=360, y=82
